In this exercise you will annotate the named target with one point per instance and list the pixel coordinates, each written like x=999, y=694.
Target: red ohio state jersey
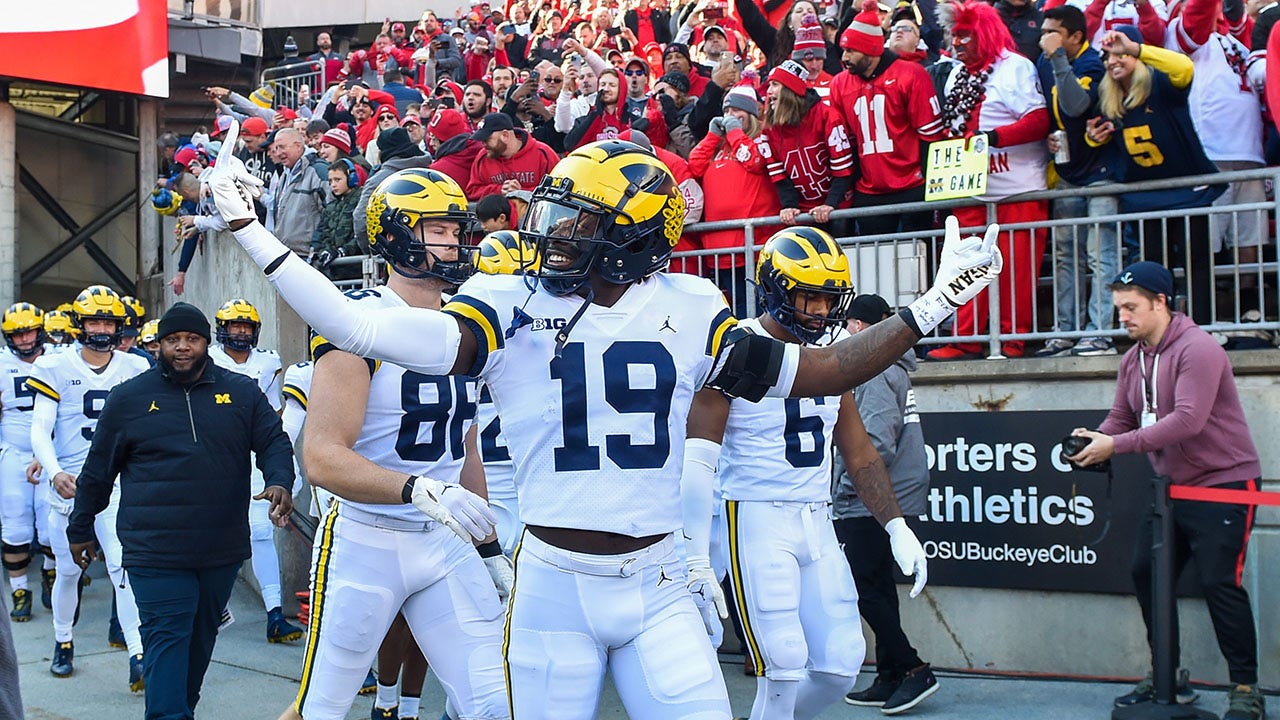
x=810, y=154
x=888, y=116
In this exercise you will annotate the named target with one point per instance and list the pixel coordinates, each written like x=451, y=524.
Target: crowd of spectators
x=789, y=108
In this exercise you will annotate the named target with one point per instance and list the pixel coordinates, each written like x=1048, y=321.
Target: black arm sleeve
x=757, y=26
x=788, y=193
x=839, y=188
x=706, y=109
x=580, y=126
x=270, y=443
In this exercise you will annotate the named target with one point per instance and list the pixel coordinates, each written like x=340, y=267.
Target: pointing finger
x=993, y=234
x=953, y=229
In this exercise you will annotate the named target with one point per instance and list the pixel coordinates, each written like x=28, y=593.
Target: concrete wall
x=1073, y=633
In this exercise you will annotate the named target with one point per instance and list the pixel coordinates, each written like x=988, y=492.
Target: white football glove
x=231, y=185
x=707, y=595
x=503, y=574
x=455, y=507
x=908, y=552
x=966, y=267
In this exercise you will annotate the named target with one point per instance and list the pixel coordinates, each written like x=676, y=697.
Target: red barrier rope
x=1219, y=495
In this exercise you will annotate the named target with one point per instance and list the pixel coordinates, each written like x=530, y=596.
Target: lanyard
x=1149, y=388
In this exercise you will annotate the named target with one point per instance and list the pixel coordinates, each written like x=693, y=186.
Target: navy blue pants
x=180, y=612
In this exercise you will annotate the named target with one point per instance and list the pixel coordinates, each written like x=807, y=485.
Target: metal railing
x=287, y=82
x=900, y=266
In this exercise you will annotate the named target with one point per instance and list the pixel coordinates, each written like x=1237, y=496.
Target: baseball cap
x=1147, y=275
x=492, y=123
x=397, y=27
x=869, y=308
x=411, y=119
x=714, y=28
x=253, y=126
x=447, y=124
x=221, y=125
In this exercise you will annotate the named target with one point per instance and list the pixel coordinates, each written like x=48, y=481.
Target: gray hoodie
x=887, y=404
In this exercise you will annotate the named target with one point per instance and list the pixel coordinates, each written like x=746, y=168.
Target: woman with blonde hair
x=733, y=165
x=1143, y=103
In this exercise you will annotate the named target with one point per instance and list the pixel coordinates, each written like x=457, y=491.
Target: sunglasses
x=386, y=117
x=902, y=29
x=555, y=81
x=634, y=73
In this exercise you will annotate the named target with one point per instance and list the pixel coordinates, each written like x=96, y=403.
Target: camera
x=508, y=28
x=1072, y=445
x=613, y=31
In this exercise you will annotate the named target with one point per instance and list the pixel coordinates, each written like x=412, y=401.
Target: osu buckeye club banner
x=1004, y=511
x=120, y=45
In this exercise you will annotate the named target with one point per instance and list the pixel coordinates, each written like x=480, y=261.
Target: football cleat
x=63, y=655
x=370, y=684
x=136, y=681
x=115, y=635
x=279, y=630
x=21, y=606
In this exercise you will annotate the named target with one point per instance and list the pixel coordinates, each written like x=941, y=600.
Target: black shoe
x=63, y=654
x=115, y=635
x=21, y=606
x=47, y=576
x=882, y=688
x=916, y=686
x=279, y=630
x=391, y=713
x=1145, y=691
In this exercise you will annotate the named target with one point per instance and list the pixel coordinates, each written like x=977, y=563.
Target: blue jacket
x=1088, y=164
x=182, y=454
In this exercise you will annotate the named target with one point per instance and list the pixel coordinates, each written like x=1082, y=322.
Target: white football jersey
x=596, y=431
x=1221, y=90
x=80, y=393
x=262, y=365
x=499, y=472
x=294, y=391
x=778, y=448
x=16, y=401
x=413, y=423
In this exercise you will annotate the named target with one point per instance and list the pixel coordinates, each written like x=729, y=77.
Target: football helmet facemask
x=19, y=318
x=238, y=310
x=610, y=207
x=393, y=219
x=804, y=259
x=98, y=302
x=505, y=252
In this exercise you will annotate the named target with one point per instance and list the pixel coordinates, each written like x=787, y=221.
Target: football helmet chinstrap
x=804, y=260
x=396, y=208
x=238, y=310
x=21, y=317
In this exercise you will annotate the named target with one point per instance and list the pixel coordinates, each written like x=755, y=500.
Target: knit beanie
x=809, y=40
x=183, y=317
x=743, y=97
x=677, y=80
x=864, y=34
x=395, y=143
x=338, y=138
x=791, y=75
x=264, y=97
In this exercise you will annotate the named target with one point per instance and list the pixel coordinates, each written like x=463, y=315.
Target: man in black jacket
x=179, y=437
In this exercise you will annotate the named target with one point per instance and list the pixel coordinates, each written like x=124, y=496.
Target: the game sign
x=1004, y=511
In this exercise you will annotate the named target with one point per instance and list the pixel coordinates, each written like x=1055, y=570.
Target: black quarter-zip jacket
x=182, y=454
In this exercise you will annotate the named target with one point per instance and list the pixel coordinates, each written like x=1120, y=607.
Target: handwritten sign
x=956, y=168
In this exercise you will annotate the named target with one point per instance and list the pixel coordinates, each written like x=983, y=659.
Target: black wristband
x=910, y=320
x=406, y=492
x=489, y=549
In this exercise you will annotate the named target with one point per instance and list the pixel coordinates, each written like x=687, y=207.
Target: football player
x=369, y=426
x=135, y=315
x=147, y=337
x=237, y=326
x=793, y=590
x=57, y=328
x=70, y=389
x=24, y=508
x=593, y=369
x=502, y=252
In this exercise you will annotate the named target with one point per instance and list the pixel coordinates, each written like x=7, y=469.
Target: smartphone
x=508, y=28
x=613, y=31
x=535, y=77
x=713, y=13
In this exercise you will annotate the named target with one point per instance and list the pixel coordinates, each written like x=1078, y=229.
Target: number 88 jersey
x=778, y=448
x=596, y=432
x=413, y=423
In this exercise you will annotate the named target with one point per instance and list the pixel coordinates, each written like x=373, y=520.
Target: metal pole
x=993, y=296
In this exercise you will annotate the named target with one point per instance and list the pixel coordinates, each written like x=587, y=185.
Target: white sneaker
x=1090, y=347
x=1056, y=347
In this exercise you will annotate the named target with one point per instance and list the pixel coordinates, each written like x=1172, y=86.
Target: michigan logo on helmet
x=242, y=311
x=505, y=252
x=98, y=302
x=398, y=216
x=149, y=332
x=805, y=283
x=20, y=318
x=57, y=327
x=609, y=206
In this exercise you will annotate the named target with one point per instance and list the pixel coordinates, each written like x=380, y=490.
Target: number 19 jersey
x=596, y=431
x=413, y=423
x=778, y=448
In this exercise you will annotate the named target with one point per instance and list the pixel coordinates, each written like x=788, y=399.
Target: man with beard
x=503, y=78
x=179, y=437
x=324, y=54
x=513, y=159
x=477, y=98
x=878, y=91
x=606, y=118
